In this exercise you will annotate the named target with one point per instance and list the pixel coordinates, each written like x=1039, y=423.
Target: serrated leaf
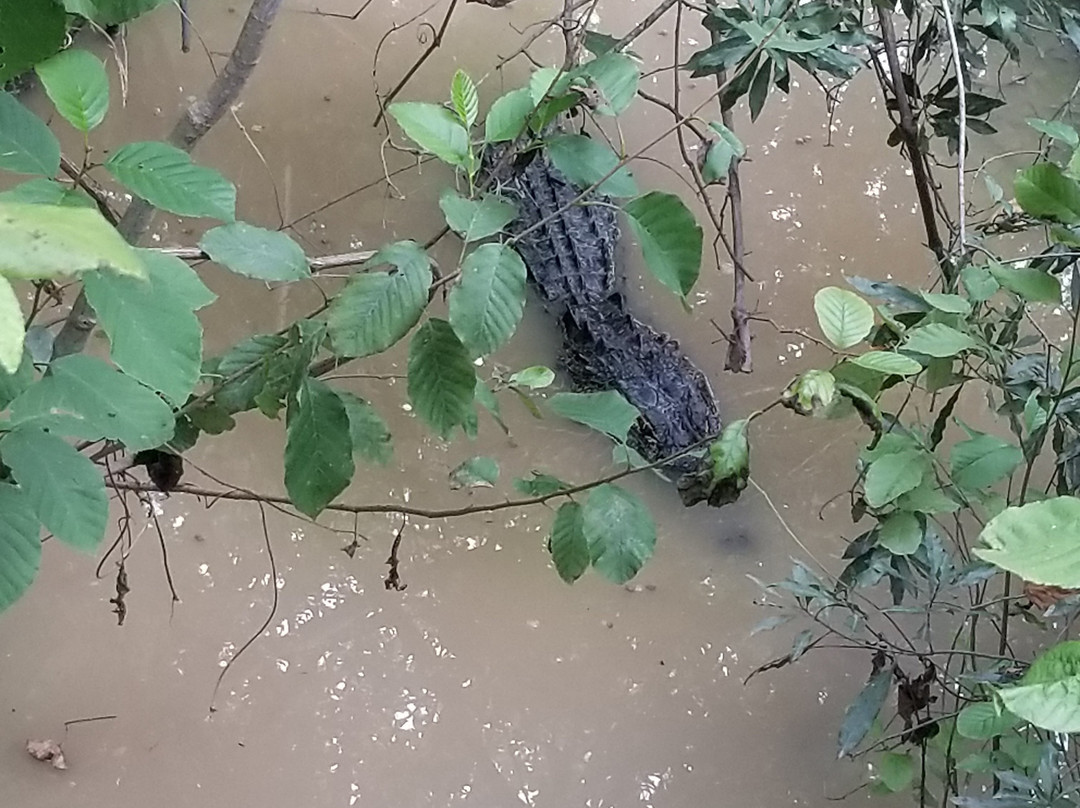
x=268, y=255
x=721, y=154
x=76, y=82
x=152, y=328
x=1044, y=192
x=434, y=129
x=46, y=241
x=83, y=397
x=892, y=475
x=585, y=161
x=1033, y=285
x=844, y=318
x=476, y=472
x=535, y=377
x=318, y=456
x=983, y=720
x=860, y=715
x=508, y=116
x=442, y=381
x=475, y=219
x=670, y=239
x=12, y=333
x=982, y=461
x=376, y=309
x=568, y=545
x=111, y=12
x=64, y=488
x=616, y=76
x=1036, y=541
x=900, y=533
x=246, y=370
x=463, y=97
x=371, y=438
x=937, y=339
x=606, y=412
x=539, y=485
x=20, y=545
x=488, y=303
x=165, y=177
x=888, y=362
x=30, y=30
x=41, y=191
x=26, y=144
x=619, y=530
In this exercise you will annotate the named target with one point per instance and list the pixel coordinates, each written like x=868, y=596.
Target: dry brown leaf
x=47, y=750
x=1043, y=597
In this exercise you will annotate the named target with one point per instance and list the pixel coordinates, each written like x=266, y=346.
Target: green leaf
x=20, y=545
x=1056, y=130
x=721, y=154
x=1036, y=541
x=860, y=715
x=727, y=472
x=1033, y=285
x=1058, y=662
x=619, y=530
x=476, y=472
x=759, y=89
x=30, y=30
x=64, y=488
x=568, y=545
x=152, y=328
x=927, y=498
x=535, y=377
x=844, y=317
x=111, y=12
x=584, y=162
x=82, y=397
x=26, y=144
x=892, y=475
x=463, y=97
x=371, y=438
x=46, y=241
x=616, y=76
x=951, y=304
x=1049, y=694
x=257, y=253
x=670, y=239
x=246, y=370
x=41, y=191
x=434, y=129
x=474, y=219
x=888, y=362
x=938, y=339
x=318, y=456
x=606, y=412
x=12, y=333
x=1044, y=192
x=810, y=393
x=76, y=82
x=900, y=533
x=508, y=115
x=165, y=177
x=896, y=770
x=539, y=485
x=376, y=309
x=982, y=461
x=983, y=720
x=442, y=382
x=13, y=384
x=488, y=303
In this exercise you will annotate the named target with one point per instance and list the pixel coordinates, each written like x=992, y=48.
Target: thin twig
x=961, y=94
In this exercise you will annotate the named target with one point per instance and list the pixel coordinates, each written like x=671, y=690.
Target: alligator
x=571, y=262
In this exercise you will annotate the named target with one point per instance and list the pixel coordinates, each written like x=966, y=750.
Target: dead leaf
x=1043, y=597
x=47, y=750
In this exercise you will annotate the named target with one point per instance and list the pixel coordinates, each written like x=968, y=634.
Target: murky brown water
x=488, y=681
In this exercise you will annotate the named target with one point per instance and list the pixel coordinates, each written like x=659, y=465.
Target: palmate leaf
x=620, y=532
x=165, y=177
x=568, y=546
x=1036, y=541
x=12, y=334
x=76, y=82
x=488, y=303
x=670, y=239
x=63, y=487
x=20, y=546
x=585, y=161
x=318, y=449
x=442, y=381
x=30, y=30
x=844, y=317
x=268, y=255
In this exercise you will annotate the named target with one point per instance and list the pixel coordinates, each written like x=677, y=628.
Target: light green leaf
x=888, y=362
x=376, y=309
x=111, y=12
x=30, y=30
x=722, y=153
x=82, y=397
x=318, y=456
x=616, y=76
x=371, y=438
x=896, y=770
x=1036, y=541
x=937, y=339
x=892, y=475
x=463, y=97
x=900, y=533
x=434, y=129
x=584, y=162
x=476, y=472
x=12, y=333
x=535, y=377
x=508, y=115
x=844, y=317
x=1044, y=192
x=165, y=177
x=860, y=715
x=727, y=472
x=810, y=393
x=474, y=219
x=606, y=412
x=952, y=304
x=487, y=305
x=1049, y=694
x=978, y=282
x=76, y=82
x=13, y=384
x=982, y=461
x=442, y=381
x=26, y=144
x=20, y=545
x=983, y=720
x=539, y=485
x=46, y=241
x=64, y=488
x=619, y=530
x=257, y=253
x=41, y=191
x=927, y=498
x=1033, y=285
x=152, y=328
x=568, y=545
x=670, y=239
x=1056, y=130
x=547, y=82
